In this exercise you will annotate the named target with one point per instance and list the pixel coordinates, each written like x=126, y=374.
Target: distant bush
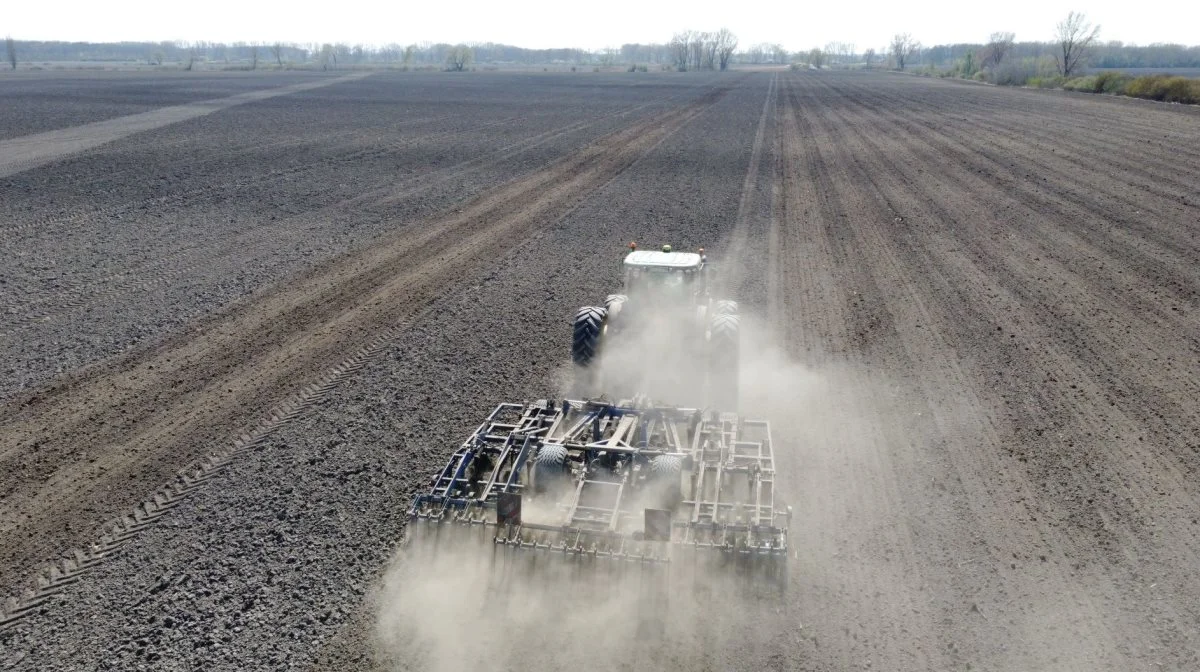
x=1087, y=84
x=1051, y=82
x=1104, y=82
x=1165, y=88
x=1018, y=72
x=1112, y=82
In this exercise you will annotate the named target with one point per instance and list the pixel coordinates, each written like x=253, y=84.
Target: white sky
x=591, y=25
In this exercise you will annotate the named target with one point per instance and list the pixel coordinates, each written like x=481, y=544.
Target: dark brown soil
x=976, y=339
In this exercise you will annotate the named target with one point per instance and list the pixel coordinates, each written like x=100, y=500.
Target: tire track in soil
x=31, y=151
x=1158, y=484
x=735, y=275
x=153, y=411
x=180, y=264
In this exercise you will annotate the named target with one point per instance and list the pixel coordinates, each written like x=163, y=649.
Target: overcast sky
x=592, y=25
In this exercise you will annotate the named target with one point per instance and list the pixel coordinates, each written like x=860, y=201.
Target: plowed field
x=240, y=324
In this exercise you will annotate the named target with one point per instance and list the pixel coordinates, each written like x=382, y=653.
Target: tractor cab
x=664, y=273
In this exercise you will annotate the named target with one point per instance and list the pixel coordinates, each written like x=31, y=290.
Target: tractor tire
x=585, y=340
x=724, y=307
x=724, y=353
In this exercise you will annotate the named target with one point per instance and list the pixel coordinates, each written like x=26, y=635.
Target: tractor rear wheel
x=724, y=352
x=585, y=339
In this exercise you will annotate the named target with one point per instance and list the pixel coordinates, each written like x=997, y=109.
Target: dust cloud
x=452, y=599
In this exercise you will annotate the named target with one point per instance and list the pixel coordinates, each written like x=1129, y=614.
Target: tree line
x=1001, y=58
x=343, y=54
x=1075, y=46
x=687, y=50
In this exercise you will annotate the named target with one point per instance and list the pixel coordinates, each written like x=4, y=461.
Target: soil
x=974, y=312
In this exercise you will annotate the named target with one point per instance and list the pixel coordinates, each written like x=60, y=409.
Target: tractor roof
x=656, y=259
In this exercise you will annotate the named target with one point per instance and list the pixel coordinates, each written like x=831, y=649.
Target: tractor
x=665, y=335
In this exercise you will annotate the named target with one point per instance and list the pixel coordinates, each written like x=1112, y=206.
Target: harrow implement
x=633, y=482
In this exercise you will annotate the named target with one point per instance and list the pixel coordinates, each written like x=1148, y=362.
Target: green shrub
x=1051, y=82
x=1086, y=84
x=1165, y=88
x=968, y=66
x=1150, y=86
x=1182, y=90
x=1111, y=82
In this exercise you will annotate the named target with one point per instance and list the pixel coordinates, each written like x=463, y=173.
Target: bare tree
x=998, y=46
x=840, y=53
x=277, y=52
x=816, y=58
x=696, y=49
x=458, y=58
x=328, y=57
x=902, y=48
x=726, y=44
x=10, y=50
x=831, y=53
x=254, y=57
x=869, y=57
x=778, y=53
x=1075, y=36
x=679, y=47
x=708, y=51
x=758, y=53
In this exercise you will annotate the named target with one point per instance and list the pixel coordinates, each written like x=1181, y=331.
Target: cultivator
x=631, y=482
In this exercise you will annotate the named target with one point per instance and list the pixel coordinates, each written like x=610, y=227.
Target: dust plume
x=452, y=599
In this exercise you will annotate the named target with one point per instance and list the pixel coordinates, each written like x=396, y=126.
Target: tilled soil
x=47, y=101
x=975, y=335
